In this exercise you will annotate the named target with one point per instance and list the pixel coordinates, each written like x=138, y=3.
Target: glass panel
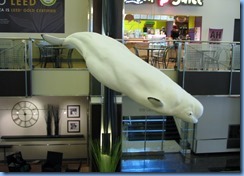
x=187, y=137
x=13, y=54
x=236, y=57
x=143, y=133
x=207, y=56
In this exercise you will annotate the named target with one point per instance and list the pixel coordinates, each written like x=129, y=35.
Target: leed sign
x=36, y=16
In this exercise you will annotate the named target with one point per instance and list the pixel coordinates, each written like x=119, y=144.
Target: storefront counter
x=136, y=40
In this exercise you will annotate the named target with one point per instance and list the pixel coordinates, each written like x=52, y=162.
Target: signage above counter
x=161, y=3
x=186, y=2
x=139, y=1
x=153, y=17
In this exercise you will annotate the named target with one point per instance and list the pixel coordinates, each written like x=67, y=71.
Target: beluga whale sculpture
x=116, y=67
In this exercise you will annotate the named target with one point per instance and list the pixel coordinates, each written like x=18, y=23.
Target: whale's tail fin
x=53, y=40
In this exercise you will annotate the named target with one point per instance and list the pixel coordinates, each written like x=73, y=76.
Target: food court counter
x=136, y=40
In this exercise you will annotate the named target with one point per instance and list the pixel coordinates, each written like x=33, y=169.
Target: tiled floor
x=175, y=160
x=190, y=163
x=170, y=163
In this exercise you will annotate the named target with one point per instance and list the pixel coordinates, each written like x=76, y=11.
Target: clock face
x=25, y=114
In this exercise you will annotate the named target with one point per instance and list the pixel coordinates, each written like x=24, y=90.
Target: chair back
x=54, y=158
x=16, y=163
x=141, y=49
x=15, y=158
x=80, y=164
x=45, y=49
x=136, y=51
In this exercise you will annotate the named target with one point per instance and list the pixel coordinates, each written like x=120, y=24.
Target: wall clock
x=25, y=114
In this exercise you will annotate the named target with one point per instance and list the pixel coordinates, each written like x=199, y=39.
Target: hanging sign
x=37, y=16
x=187, y=2
x=215, y=34
x=161, y=3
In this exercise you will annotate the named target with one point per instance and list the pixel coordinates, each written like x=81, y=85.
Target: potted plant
x=106, y=162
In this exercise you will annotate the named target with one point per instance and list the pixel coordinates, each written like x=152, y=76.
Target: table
x=4, y=146
x=150, y=50
x=57, y=52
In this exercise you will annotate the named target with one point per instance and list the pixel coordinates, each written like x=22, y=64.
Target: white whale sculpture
x=115, y=66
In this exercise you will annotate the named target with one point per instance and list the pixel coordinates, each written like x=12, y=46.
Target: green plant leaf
x=106, y=162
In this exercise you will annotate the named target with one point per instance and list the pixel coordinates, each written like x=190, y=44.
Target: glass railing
x=165, y=54
x=13, y=54
x=187, y=55
x=208, y=56
x=36, y=53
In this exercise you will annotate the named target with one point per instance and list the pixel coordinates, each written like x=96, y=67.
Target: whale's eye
x=190, y=114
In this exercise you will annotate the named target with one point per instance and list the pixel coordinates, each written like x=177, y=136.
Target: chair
x=214, y=59
x=141, y=50
x=161, y=56
x=47, y=54
x=69, y=58
x=16, y=163
x=74, y=169
x=53, y=162
x=143, y=57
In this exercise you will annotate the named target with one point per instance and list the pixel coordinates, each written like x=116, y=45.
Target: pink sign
x=162, y=2
x=215, y=34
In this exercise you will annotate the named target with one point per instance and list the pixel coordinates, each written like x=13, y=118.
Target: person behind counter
x=175, y=33
x=163, y=31
x=175, y=36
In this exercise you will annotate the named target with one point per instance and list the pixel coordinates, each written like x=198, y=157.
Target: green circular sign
x=48, y=2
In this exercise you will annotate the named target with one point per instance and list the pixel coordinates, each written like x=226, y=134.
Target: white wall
x=8, y=127
x=76, y=20
x=53, y=82
x=215, y=14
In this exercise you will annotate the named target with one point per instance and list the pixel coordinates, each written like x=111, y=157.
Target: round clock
x=25, y=114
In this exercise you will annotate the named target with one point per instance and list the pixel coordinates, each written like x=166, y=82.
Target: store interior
x=143, y=26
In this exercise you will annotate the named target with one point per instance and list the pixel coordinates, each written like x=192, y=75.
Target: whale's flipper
x=53, y=40
x=155, y=101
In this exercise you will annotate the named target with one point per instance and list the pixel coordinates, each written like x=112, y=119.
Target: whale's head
x=187, y=108
x=190, y=112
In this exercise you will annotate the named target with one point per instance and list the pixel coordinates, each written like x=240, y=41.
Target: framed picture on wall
x=73, y=111
x=73, y=126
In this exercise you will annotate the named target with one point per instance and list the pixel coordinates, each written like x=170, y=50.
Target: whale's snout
x=198, y=113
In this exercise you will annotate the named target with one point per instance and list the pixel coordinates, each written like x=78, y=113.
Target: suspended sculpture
x=116, y=67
